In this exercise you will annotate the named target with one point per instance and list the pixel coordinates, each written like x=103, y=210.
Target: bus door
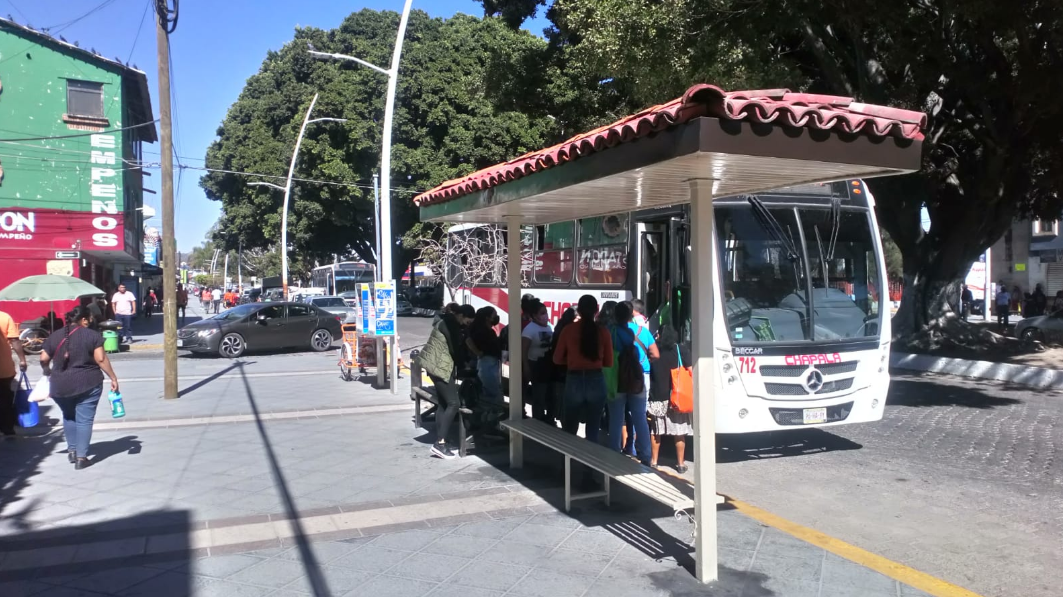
x=652, y=264
x=678, y=309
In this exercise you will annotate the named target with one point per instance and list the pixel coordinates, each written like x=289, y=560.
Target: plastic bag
x=41, y=391
x=28, y=413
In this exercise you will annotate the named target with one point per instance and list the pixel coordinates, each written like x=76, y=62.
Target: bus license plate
x=815, y=415
x=181, y=343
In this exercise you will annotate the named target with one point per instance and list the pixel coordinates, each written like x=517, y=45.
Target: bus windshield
x=793, y=274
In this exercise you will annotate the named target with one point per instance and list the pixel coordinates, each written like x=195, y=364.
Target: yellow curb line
x=133, y=347
x=899, y=572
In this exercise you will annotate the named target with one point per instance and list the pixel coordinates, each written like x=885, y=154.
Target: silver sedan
x=1043, y=328
x=335, y=305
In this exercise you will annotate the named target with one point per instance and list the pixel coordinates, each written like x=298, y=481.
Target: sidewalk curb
x=1037, y=377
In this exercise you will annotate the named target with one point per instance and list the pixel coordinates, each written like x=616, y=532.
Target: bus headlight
x=731, y=380
x=884, y=357
x=727, y=367
x=742, y=413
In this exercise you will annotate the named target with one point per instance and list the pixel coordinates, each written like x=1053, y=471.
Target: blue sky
x=217, y=46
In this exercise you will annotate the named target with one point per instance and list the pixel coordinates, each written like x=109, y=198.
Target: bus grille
x=795, y=416
x=797, y=370
x=793, y=389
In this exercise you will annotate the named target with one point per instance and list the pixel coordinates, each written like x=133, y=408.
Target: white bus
x=337, y=278
x=802, y=325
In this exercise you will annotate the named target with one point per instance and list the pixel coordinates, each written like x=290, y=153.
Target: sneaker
x=443, y=451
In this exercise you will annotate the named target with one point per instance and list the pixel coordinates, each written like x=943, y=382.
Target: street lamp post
x=384, y=223
x=287, y=188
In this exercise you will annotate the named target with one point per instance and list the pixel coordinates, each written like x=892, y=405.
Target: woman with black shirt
x=665, y=420
x=484, y=343
x=74, y=361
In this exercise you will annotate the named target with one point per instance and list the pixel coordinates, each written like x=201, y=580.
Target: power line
x=312, y=181
x=140, y=28
x=125, y=128
x=65, y=25
x=20, y=13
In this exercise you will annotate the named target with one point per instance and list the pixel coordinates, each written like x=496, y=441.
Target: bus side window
x=603, y=247
x=553, y=253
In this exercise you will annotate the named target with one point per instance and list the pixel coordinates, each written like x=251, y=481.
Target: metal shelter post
x=516, y=361
x=703, y=313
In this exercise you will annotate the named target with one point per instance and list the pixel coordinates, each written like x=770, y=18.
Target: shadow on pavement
x=779, y=444
x=314, y=574
x=924, y=391
x=144, y=554
x=214, y=376
x=101, y=451
x=20, y=460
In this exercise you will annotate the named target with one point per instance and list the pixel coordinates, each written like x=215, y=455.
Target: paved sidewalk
x=352, y=504
x=1024, y=375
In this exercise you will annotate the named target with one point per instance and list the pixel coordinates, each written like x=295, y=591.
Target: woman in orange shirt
x=584, y=348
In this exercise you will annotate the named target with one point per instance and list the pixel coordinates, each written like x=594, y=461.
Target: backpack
x=629, y=377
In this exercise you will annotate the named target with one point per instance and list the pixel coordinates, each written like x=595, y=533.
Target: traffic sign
x=68, y=254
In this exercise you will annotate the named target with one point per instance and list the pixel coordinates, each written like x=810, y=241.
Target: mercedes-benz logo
x=813, y=381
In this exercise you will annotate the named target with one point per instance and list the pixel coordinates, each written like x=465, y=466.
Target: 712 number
x=747, y=364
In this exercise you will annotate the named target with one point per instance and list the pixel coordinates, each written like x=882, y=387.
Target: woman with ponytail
x=74, y=361
x=584, y=348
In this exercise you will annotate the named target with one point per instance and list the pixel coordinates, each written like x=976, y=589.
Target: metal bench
x=418, y=392
x=612, y=465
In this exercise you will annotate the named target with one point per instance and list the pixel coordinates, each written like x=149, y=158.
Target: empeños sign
x=60, y=229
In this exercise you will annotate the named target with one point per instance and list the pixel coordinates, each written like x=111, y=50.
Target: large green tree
x=986, y=72
x=447, y=124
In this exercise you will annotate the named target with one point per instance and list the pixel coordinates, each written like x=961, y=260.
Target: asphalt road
x=962, y=479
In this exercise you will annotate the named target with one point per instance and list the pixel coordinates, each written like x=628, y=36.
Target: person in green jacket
x=440, y=358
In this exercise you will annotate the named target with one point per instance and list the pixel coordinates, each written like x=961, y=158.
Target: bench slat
x=614, y=464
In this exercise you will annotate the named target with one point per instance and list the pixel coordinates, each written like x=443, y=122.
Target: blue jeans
x=78, y=414
x=489, y=370
x=635, y=405
x=584, y=399
x=127, y=326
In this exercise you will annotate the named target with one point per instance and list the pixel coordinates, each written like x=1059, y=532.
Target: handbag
x=42, y=391
x=28, y=412
x=682, y=398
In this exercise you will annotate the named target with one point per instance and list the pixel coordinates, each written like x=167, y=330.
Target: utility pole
x=169, y=243
x=225, y=274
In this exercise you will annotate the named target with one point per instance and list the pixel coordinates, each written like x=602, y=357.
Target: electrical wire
x=166, y=16
x=125, y=128
x=309, y=180
x=20, y=13
x=140, y=28
x=64, y=25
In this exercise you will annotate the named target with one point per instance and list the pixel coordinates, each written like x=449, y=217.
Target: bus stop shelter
x=707, y=143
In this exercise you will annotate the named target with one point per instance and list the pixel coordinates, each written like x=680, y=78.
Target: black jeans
x=8, y=416
x=447, y=391
x=1003, y=313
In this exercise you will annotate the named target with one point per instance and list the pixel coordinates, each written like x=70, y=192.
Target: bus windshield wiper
x=772, y=226
x=827, y=257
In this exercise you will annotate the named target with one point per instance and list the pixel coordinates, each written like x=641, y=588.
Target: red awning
x=771, y=106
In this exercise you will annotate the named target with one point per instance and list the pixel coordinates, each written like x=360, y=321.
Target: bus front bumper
x=744, y=414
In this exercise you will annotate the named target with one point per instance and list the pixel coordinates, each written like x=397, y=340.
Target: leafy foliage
x=986, y=72
x=446, y=125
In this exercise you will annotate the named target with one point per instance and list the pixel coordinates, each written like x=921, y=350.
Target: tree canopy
x=986, y=72
x=447, y=124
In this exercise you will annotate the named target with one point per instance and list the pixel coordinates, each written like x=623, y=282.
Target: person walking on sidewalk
x=182, y=301
x=215, y=299
x=74, y=361
x=8, y=415
x=443, y=353
x=1003, y=307
x=124, y=304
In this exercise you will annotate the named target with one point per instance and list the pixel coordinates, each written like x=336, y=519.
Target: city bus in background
x=337, y=278
x=802, y=325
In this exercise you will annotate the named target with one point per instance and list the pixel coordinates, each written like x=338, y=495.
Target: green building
x=72, y=124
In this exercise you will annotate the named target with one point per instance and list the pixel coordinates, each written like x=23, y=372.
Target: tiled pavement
x=179, y=511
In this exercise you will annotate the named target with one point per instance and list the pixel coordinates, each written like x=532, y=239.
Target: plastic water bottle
x=117, y=408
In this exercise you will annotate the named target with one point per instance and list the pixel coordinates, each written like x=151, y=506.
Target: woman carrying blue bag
x=74, y=361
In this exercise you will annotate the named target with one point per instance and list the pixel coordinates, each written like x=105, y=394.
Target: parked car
x=1043, y=328
x=261, y=326
x=333, y=304
x=403, y=306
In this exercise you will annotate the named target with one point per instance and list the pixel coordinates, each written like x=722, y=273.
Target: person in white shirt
x=536, y=340
x=215, y=299
x=124, y=304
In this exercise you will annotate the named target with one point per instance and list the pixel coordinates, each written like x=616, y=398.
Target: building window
x=84, y=98
x=1007, y=247
x=1046, y=227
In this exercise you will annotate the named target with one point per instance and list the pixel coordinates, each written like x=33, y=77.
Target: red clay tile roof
x=779, y=106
